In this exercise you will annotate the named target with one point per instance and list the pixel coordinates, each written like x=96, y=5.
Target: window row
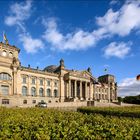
x=101, y=96
x=34, y=101
x=41, y=92
x=41, y=82
x=6, y=53
x=101, y=90
x=7, y=101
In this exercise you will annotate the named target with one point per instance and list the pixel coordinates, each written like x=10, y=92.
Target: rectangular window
x=96, y=96
x=5, y=101
x=1, y=77
x=24, y=80
x=55, y=84
x=103, y=96
x=41, y=82
x=5, y=77
x=42, y=101
x=48, y=83
x=34, y=101
x=5, y=89
x=33, y=81
x=24, y=101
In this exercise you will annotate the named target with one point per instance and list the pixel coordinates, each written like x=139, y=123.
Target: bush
x=120, y=111
x=46, y=124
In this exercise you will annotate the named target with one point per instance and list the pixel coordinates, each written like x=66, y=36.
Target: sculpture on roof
x=5, y=39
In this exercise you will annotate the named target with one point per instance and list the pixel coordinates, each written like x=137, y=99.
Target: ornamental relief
x=80, y=74
x=83, y=75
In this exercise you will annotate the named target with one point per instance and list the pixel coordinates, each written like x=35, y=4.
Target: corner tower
x=112, y=85
x=9, y=65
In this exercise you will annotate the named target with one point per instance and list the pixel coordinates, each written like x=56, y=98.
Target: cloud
x=113, y=2
x=30, y=44
x=119, y=22
x=129, y=87
x=77, y=40
x=123, y=21
x=19, y=12
x=120, y=50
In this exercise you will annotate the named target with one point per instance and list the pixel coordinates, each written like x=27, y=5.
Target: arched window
x=55, y=93
x=10, y=54
x=48, y=92
x=5, y=76
x=4, y=53
x=24, y=90
x=33, y=91
x=41, y=92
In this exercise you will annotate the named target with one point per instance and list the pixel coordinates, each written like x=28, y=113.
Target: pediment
x=86, y=74
x=83, y=74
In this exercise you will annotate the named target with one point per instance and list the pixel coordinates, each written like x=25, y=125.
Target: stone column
x=67, y=92
x=86, y=91
x=75, y=88
x=115, y=94
x=101, y=94
x=52, y=88
x=81, y=96
x=65, y=89
x=72, y=89
x=10, y=89
x=69, y=88
x=94, y=91
x=108, y=94
x=61, y=91
x=37, y=86
x=45, y=89
x=29, y=89
x=91, y=91
x=15, y=81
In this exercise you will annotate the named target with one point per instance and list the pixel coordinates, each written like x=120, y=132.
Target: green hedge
x=120, y=111
x=50, y=124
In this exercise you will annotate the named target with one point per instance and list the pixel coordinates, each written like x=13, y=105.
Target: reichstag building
x=26, y=86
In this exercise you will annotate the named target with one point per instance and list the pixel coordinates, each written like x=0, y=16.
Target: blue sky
x=98, y=34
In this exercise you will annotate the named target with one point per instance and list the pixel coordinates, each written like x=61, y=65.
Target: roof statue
x=5, y=39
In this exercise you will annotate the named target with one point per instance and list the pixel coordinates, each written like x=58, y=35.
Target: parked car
x=42, y=104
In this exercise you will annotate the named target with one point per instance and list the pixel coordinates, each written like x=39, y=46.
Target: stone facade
x=26, y=86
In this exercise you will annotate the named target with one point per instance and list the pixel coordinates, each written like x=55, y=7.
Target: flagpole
x=3, y=36
x=105, y=70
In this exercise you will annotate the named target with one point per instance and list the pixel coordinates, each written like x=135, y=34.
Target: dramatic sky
x=96, y=33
